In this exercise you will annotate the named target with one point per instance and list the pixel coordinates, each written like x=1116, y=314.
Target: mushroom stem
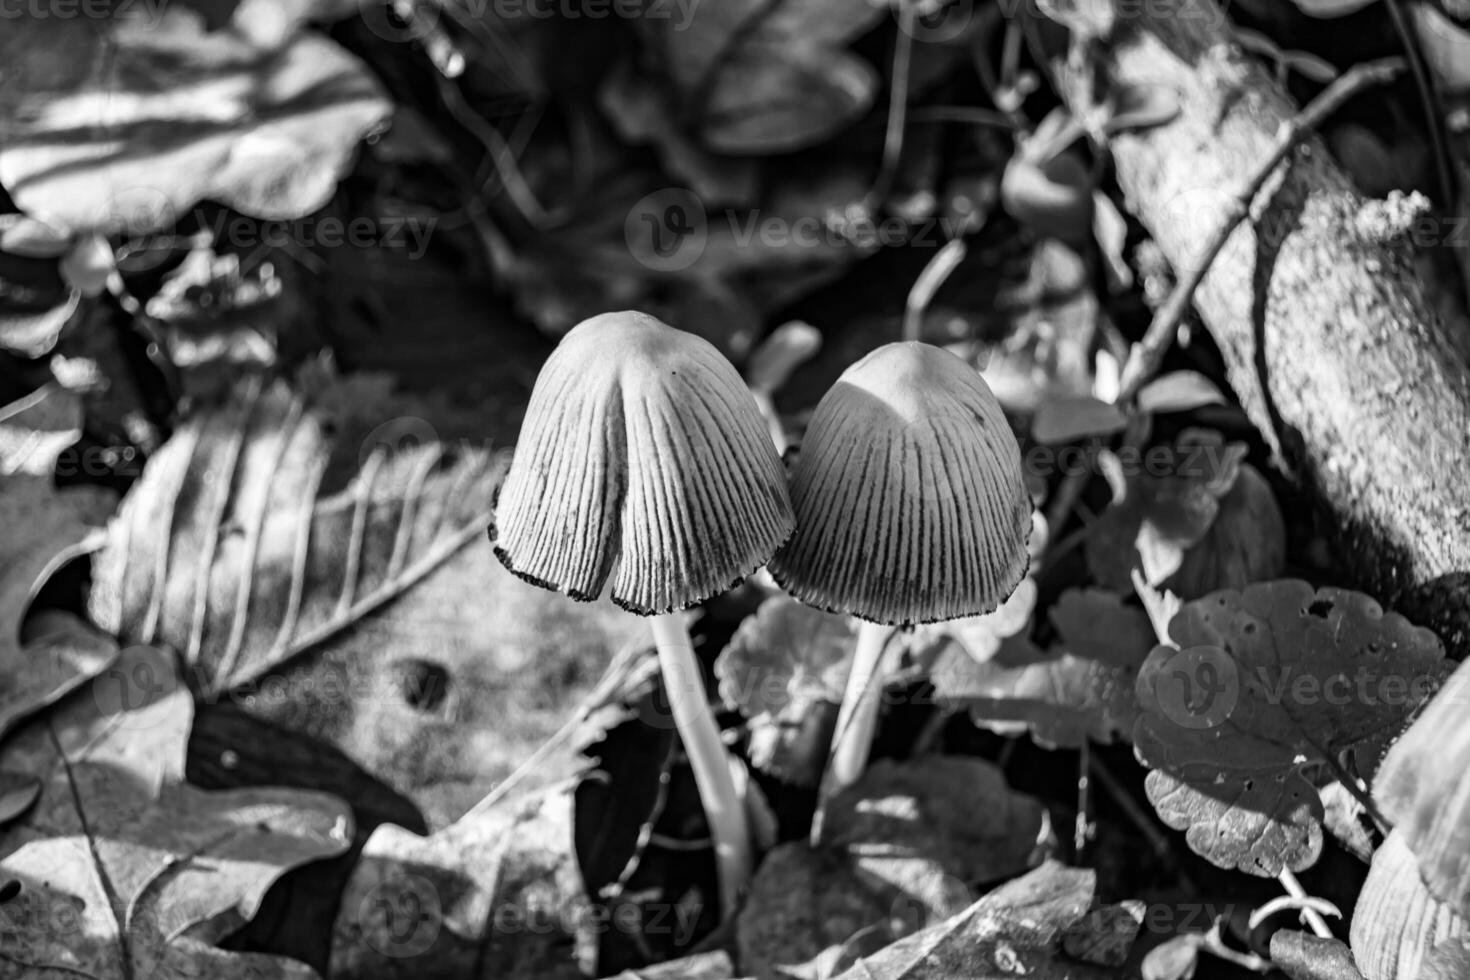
x=707, y=756
x=856, y=720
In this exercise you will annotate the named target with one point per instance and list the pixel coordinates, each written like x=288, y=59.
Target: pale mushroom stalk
x=723, y=806
x=857, y=719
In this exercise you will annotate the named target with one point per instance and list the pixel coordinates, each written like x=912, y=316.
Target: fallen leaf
x=228, y=550
x=497, y=895
x=1304, y=957
x=922, y=832
x=1267, y=690
x=145, y=868
x=44, y=527
x=762, y=77
x=119, y=125
x=1014, y=930
x=375, y=617
x=785, y=670
x=703, y=966
x=801, y=907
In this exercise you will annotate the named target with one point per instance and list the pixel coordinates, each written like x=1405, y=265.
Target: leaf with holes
x=1271, y=693
x=119, y=125
x=785, y=669
x=768, y=76
x=323, y=556
x=43, y=528
x=120, y=869
x=1082, y=689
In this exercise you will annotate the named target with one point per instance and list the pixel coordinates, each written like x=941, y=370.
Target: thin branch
x=1149, y=353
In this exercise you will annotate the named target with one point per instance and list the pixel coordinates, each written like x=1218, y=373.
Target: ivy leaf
x=152, y=871
x=761, y=77
x=1269, y=690
x=785, y=670
x=121, y=124
x=1082, y=689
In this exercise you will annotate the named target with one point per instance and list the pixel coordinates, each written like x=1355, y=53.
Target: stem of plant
x=708, y=758
x=856, y=720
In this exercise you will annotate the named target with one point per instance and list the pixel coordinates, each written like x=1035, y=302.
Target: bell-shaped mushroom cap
x=644, y=452
x=1397, y=924
x=910, y=506
x=1423, y=786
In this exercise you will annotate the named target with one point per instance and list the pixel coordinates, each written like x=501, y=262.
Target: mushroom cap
x=1423, y=786
x=644, y=459
x=1398, y=922
x=910, y=507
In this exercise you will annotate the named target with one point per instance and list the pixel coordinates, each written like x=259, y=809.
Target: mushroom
x=910, y=508
x=1398, y=924
x=1424, y=789
x=644, y=462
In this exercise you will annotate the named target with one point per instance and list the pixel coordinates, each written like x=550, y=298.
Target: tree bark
x=1346, y=343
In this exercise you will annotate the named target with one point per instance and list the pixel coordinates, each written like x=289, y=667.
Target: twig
x=944, y=262
x=1429, y=96
x=1135, y=813
x=898, y=104
x=1149, y=352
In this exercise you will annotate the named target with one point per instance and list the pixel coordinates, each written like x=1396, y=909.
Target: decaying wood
x=1345, y=341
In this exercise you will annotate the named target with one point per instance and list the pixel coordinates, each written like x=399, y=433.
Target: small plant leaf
x=1179, y=391
x=1208, y=521
x=1267, y=693
x=785, y=670
x=1083, y=688
x=1073, y=417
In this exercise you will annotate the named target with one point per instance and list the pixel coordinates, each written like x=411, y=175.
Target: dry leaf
x=121, y=869
x=497, y=896
x=122, y=124
x=43, y=528
x=921, y=832
x=1013, y=931
x=428, y=663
